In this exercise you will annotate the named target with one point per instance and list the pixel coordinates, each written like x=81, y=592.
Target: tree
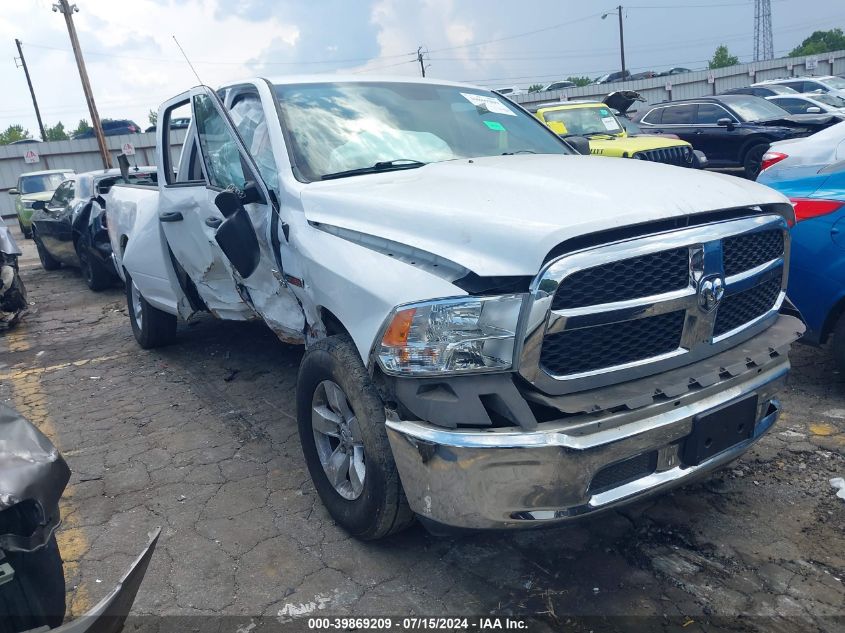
x=153, y=117
x=580, y=81
x=722, y=58
x=83, y=126
x=535, y=87
x=820, y=42
x=13, y=133
x=56, y=133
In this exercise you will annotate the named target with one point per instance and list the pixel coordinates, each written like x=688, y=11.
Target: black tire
x=152, y=327
x=93, y=272
x=381, y=508
x=753, y=160
x=48, y=262
x=35, y=597
x=838, y=345
x=26, y=233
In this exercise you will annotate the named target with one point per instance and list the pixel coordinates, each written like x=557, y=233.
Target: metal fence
x=701, y=83
x=79, y=155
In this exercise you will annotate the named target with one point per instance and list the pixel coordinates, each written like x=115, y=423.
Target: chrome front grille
x=680, y=155
x=629, y=309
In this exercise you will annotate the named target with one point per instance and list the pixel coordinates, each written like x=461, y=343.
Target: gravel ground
x=200, y=438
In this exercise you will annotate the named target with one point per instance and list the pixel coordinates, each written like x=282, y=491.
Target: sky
x=134, y=64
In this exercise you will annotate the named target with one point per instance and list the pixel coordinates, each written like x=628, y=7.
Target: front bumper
x=512, y=478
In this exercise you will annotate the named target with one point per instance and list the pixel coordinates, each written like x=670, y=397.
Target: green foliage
x=56, y=133
x=535, y=87
x=13, y=133
x=820, y=42
x=722, y=58
x=580, y=81
x=81, y=127
x=153, y=117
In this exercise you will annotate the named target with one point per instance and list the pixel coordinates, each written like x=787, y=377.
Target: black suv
x=732, y=130
x=112, y=127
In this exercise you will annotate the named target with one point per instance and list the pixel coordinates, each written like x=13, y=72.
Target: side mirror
x=228, y=202
x=725, y=122
x=814, y=110
x=38, y=205
x=14, y=191
x=580, y=144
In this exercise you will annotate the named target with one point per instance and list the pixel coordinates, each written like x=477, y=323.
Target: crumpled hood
x=501, y=215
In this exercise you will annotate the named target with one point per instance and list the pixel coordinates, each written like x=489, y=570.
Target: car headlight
x=451, y=336
x=27, y=204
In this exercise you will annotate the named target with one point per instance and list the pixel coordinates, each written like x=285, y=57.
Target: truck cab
x=495, y=336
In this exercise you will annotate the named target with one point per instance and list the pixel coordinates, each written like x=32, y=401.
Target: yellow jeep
x=608, y=135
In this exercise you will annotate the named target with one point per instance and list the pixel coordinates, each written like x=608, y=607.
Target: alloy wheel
x=337, y=436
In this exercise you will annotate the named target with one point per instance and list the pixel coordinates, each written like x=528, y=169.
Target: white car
x=810, y=103
x=783, y=158
x=512, y=91
x=823, y=84
x=498, y=332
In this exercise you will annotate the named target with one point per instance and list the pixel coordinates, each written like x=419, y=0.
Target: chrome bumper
x=510, y=478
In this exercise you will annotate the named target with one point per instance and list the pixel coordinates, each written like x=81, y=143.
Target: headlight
x=27, y=204
x=451, y=335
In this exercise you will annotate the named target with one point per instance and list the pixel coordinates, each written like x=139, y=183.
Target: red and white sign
x=31, y=156
x=811, y=63
x=711, y=78
x=668, y=86
x=129, y=149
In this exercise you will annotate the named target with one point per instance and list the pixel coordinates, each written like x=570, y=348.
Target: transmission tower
x=763, y=46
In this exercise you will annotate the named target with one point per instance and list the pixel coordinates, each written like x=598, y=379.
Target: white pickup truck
x=498, y=332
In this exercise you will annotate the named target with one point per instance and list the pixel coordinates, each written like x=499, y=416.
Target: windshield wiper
x=519, y=151
x=384, y=165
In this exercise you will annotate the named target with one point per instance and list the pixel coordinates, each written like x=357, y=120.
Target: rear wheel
x=753, y=160
x=152, y=327
x=48, y=262
x=35, y=597
x=341, y=429
x=97, y=277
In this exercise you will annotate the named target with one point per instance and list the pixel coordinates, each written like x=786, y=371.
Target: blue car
x=817, y=268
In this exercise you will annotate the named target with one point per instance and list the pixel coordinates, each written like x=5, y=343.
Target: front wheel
x=48, y=262
x=27, y=233
x=344, y=441
x=152, y=327
x=753, y=160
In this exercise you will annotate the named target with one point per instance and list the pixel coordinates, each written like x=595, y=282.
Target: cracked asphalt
x=200, y=438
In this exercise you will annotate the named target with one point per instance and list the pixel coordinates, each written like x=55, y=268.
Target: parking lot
x=200, y=438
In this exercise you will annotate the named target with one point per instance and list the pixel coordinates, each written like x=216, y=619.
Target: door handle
x=171, y=216
x=699, y=131
x=213, y=222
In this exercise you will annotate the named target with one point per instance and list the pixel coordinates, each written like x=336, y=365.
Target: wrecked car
x=13, y=301
x=498, y=332
x=33, y=476
x=69, y=228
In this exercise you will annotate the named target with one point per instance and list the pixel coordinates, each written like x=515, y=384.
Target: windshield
x=337, y=127
x=581, y=121
x=41, y=182
x=781, y=90
x=831, y=100
x=835, y=82
x=754, y=108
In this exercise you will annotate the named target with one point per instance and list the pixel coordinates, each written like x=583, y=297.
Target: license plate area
x=715, y=431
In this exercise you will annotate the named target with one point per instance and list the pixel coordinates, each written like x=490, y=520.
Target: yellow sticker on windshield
x=495, y=125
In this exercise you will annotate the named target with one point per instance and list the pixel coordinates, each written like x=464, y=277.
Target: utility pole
x=421, y=60
x=31, y=91
x=621, y=40
x=621, y=35
x=68, y=10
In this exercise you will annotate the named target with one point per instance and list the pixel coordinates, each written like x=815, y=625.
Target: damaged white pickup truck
x=498, y=333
